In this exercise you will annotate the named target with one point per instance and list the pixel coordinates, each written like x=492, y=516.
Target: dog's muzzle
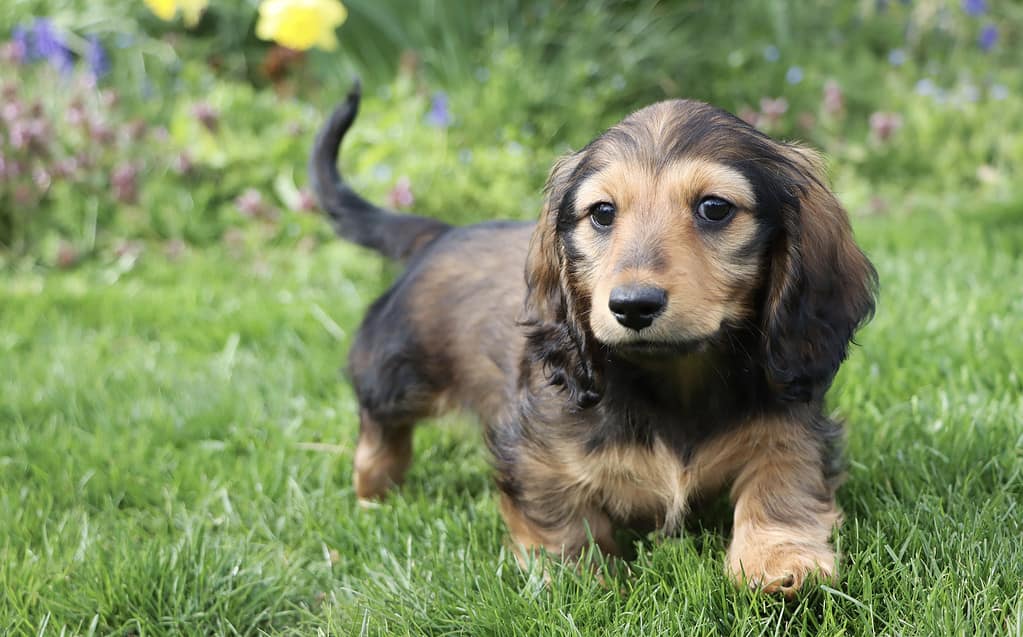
x=636, y=306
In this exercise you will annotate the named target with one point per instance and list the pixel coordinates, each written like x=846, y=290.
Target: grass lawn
x=176, y=441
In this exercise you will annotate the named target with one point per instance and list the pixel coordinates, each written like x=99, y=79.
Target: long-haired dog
x=668, y=328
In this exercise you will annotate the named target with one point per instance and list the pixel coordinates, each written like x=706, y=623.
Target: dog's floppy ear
x=557, y=337
x=821, y=286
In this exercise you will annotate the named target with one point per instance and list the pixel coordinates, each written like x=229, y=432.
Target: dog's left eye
x=602, y=214
x=714, y=209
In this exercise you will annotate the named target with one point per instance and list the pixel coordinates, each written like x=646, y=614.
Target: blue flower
x=771, y=53
x=975, y=7
x=988, y=37
x=439, y=114
x=794, y=75
x=96, y=56
x=999, y=92
x=926, y=87
x=896, y=57
x=49, y=44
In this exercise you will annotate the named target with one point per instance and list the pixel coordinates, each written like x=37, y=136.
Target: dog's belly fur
x=446, y=334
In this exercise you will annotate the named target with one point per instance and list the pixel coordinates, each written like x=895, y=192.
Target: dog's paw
x=780, y=568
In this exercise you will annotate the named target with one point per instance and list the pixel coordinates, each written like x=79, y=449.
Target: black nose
x=636, y=306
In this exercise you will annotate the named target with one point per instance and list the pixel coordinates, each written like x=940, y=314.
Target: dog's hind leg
x=382, y=456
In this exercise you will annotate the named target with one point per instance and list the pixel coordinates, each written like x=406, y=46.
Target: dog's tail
x=396, y=236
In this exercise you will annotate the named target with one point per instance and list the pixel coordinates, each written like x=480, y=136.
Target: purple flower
x=49, y=44
x=439, y=114
x=794, y=75
x=975, y=7
x=988, y=37
x=96, y=56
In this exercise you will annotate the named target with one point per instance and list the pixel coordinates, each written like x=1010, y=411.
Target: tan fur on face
x=656, y=240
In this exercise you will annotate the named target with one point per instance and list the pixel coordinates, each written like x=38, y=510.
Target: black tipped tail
x=395, y=235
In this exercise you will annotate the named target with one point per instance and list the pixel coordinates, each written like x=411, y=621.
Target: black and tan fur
x=595, y=424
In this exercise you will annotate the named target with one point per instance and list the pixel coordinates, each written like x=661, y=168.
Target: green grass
x=175, y=444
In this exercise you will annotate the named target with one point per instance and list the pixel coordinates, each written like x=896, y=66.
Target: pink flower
x=806, y=121
x=250, y=203
x=124, y=182
x=23, y=195
x=11, y=111
x=75, y=115
x=749, y=115
x=401, y=195
x=66, y=168
x=174, y=249
x=834, y=100
x=136, y=129
x=110, y=98
x=182, y=163
x=773, y=109
x=307, y=201
x=884, y=125
x=208, y=116
x=101, y=133
x=41, y=178
x=67, y=255
x=126, y=248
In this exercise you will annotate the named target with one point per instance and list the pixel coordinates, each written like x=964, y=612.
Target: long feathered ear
x=557, y=336
x=821, y=287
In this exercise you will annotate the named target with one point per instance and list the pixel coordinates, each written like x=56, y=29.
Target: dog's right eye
x=602, y=214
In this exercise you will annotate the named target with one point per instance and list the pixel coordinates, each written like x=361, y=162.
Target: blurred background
x=181, y=123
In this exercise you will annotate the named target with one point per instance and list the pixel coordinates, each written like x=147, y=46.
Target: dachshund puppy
x=667, y=329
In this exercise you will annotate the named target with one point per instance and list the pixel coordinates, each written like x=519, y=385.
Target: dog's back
x=444, y=336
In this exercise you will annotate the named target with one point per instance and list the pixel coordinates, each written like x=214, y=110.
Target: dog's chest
x=640, y=481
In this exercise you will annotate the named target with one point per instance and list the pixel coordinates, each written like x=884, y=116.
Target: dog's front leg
x=564, y=534
x=784, y=513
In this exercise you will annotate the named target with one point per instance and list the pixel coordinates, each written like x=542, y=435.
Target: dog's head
x=679, y=226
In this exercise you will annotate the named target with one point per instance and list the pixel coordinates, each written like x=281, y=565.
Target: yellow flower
x=301, y=24
x=191, y=10
x=164, y=9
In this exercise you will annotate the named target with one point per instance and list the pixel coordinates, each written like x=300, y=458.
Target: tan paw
x=379, y=467
x=781, y=568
